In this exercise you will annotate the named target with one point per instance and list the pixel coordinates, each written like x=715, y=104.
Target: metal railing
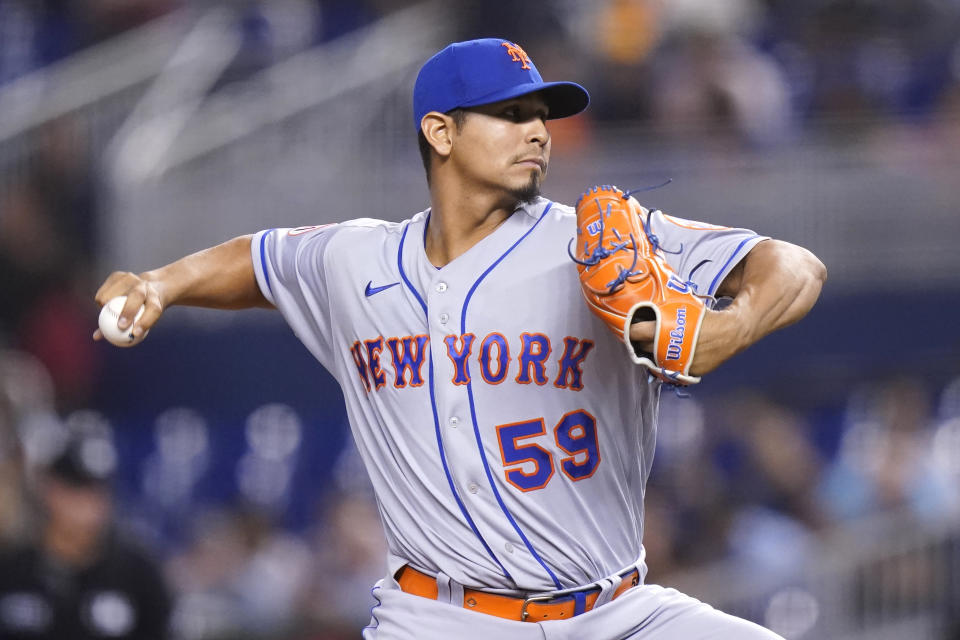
x=92, y=91
x=893, y=576
x=317, y=129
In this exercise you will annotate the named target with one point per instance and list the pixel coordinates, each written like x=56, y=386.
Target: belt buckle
x=524, y=614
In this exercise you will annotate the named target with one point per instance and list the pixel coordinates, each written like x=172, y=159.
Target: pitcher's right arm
x=221, y=277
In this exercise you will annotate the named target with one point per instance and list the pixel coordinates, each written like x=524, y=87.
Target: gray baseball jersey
x=506, y=432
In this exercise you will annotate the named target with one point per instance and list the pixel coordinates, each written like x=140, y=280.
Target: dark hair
x=85, y=461
x=459, y=116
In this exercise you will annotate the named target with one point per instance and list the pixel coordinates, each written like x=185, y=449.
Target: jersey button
x=472, y=487
x=441, y=286
x=508, y=547
x=443, y=318
x=454, y=421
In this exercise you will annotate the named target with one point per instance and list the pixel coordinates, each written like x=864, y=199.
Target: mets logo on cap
x=476, y=72
x=517, y=54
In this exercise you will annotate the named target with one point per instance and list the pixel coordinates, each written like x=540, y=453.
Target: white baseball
x=110, y=315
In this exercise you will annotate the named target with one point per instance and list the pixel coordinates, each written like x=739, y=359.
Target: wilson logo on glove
x=625, y=279
x=675, y=345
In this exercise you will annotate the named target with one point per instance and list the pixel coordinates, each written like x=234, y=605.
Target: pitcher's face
x=505, y=145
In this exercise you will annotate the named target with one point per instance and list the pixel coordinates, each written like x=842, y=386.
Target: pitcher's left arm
x=773, y=286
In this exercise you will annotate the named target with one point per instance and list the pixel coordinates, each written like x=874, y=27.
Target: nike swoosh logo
x=372, y=290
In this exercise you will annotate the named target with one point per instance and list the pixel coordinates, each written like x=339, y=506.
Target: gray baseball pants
x=646, y=612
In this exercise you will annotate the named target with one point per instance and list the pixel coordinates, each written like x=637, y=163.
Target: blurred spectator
x=737, y=484
x=620, y=80
x=201, y=576
x=26, y=414
x=687, y=501
x=47, y=228
x=180, y=458
x=240, y=575
x=79, y=578
x=530, y=24
x=273, y=575
x=30, y=253
x=778, y=452
x=12, y=474
x=945, y=441
x=631, y=29
x=711, y=79
x=771, y=532
x=349, y=550
x=885, y=459
x=350, y=558
x=61, y=171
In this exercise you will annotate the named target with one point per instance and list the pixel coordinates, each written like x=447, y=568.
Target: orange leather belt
x=532, y=609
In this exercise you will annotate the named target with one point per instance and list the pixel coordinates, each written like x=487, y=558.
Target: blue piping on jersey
x=716, y=279
x=403, y=274
x=473, y=410
x=436, y=417
x=263, y=259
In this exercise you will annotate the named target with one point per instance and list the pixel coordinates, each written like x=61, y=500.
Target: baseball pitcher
x=501, y=357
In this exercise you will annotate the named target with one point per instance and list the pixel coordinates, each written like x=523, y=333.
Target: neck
x=460, y=218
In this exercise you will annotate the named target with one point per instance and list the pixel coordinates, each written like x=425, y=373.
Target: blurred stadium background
x=811, y=485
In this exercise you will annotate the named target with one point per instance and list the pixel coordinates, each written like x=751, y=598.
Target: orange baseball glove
x=625, y=280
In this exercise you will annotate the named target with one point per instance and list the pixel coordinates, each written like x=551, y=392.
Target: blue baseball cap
x=476, y=72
